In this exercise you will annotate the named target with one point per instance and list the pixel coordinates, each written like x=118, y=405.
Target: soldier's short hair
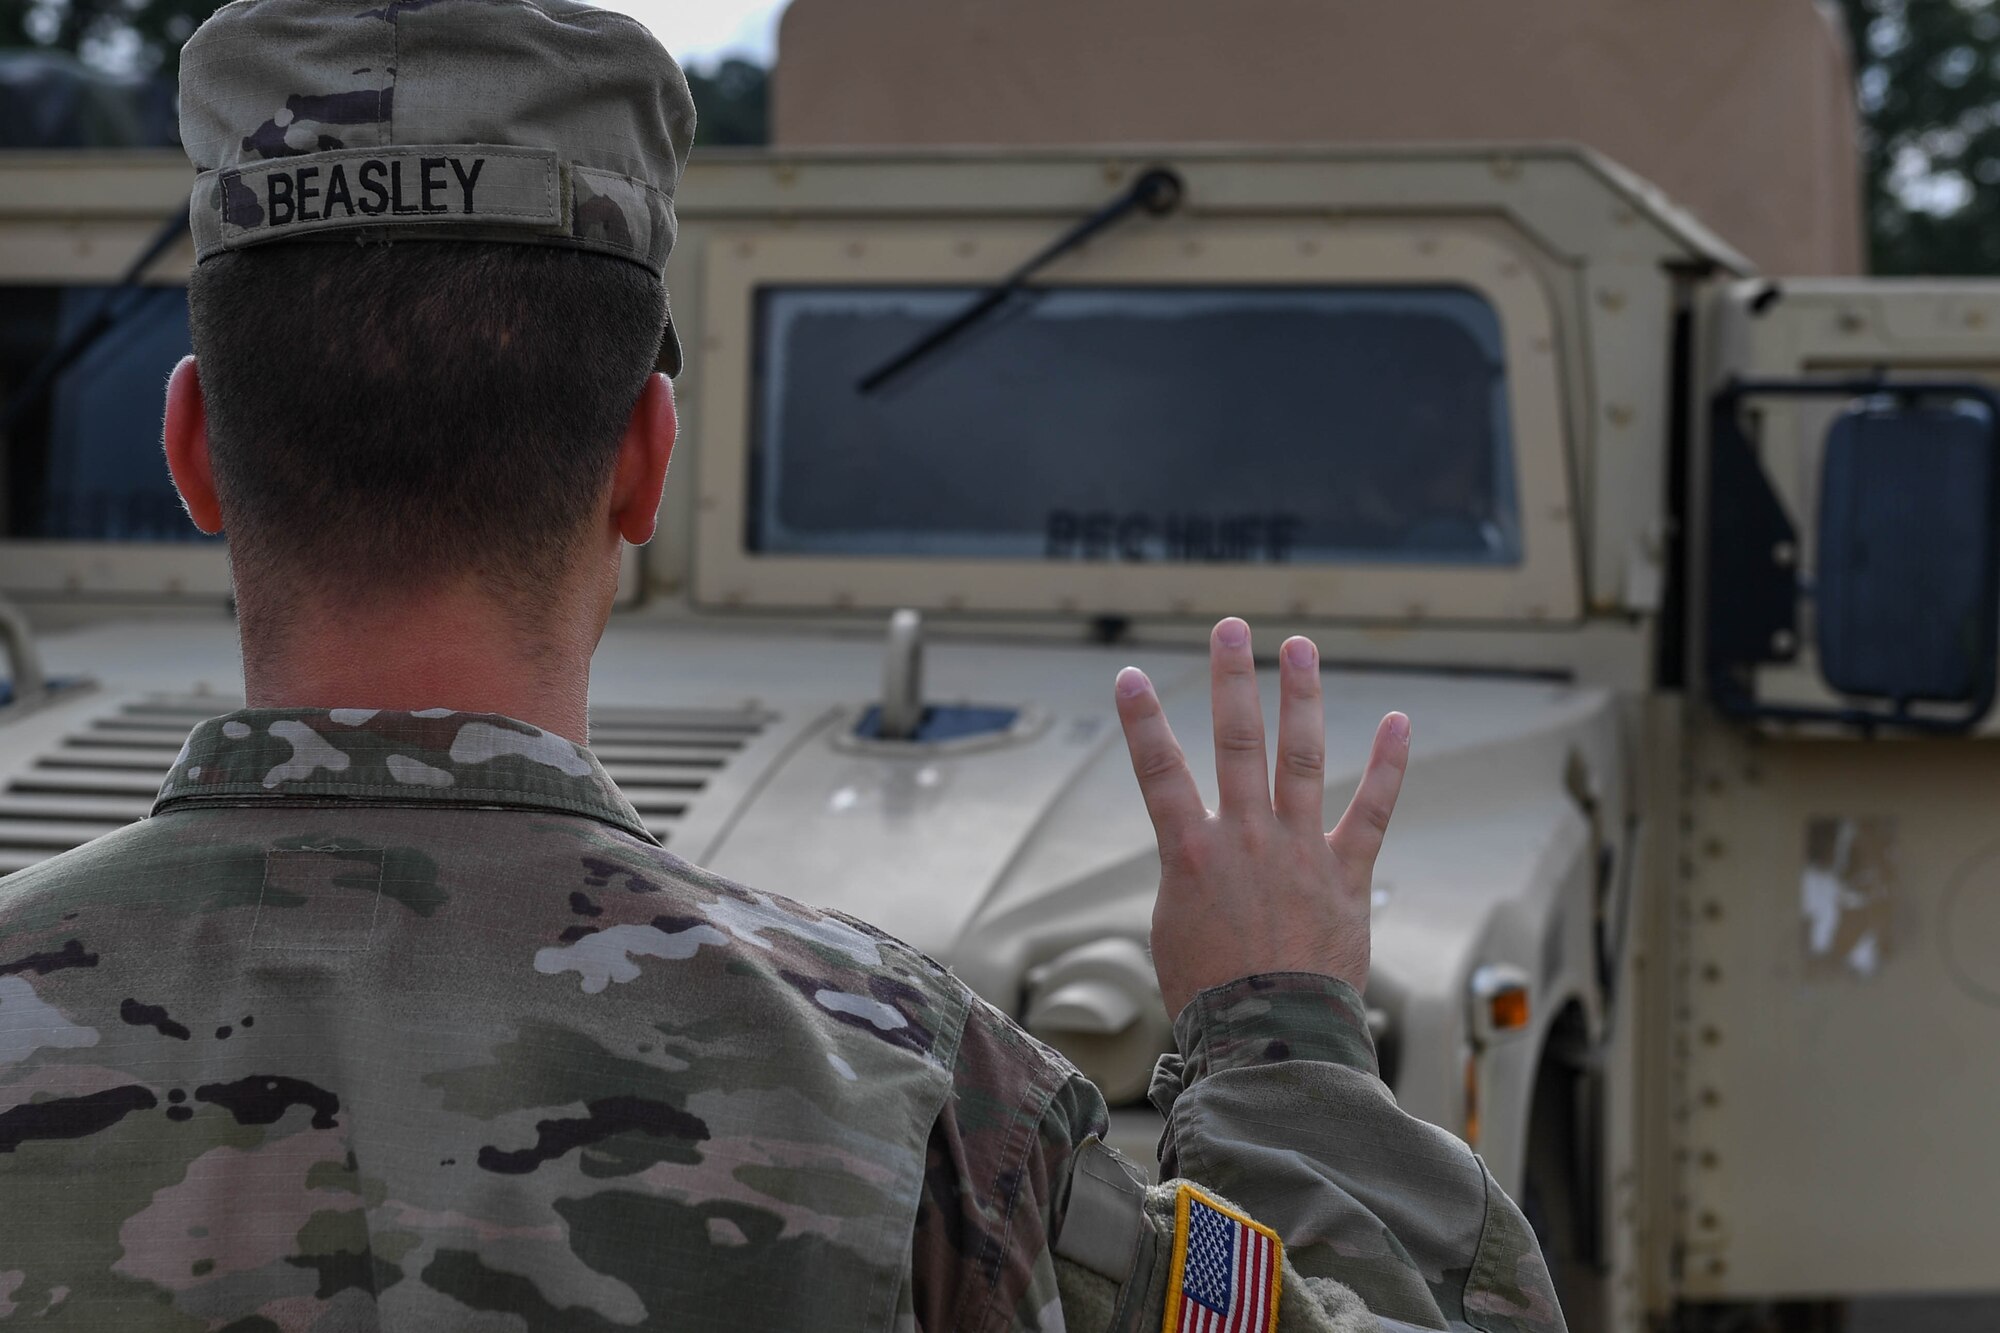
x=391, y=415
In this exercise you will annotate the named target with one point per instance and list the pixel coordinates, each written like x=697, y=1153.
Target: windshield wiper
x=1158, y=191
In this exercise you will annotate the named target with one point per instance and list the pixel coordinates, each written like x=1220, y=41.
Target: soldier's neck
x=449, y=650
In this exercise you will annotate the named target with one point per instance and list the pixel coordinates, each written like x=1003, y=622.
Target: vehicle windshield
x=84, y=463
x=1312, y=425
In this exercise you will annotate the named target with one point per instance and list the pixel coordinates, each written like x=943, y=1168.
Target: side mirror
x=1905, y=589
x=1907, y=592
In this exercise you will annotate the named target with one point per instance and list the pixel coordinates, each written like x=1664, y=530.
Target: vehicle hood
x=995, y=858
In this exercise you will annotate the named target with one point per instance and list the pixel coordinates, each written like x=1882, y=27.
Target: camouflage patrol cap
x=539, y=121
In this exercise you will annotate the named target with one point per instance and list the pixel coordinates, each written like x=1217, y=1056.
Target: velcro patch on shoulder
x=428, y=185
x=1226, y=1272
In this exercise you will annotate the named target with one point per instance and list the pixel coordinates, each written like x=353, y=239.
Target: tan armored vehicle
x=1686, y=576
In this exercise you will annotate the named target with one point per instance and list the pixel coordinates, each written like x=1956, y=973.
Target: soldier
x=394, y=1015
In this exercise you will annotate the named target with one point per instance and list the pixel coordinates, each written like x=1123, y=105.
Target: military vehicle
x=1685, y=574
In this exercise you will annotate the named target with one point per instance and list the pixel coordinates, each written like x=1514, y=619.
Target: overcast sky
x=700, y=32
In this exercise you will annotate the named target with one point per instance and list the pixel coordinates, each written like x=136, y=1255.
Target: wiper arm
x=1158, y=191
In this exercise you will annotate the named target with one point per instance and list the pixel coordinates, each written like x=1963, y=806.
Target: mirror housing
x=1906, y=586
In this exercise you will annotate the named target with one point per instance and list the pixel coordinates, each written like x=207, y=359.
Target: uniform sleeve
x=1275, y=1102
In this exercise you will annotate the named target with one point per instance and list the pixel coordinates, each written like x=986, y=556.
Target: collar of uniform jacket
x=378, y=757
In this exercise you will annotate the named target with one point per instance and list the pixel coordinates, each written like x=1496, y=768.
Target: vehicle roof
x=89, y=211
x=1744, y=114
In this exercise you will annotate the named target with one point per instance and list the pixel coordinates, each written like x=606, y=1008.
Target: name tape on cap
x=455, y=184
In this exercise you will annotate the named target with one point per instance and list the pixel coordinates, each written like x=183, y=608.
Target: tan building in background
x=1754, y=132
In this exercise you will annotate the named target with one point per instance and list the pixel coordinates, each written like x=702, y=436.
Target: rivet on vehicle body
x=856, y=249
x=1712, y=848
x=1709, y=1221
x=1308, y=247
x=744, y=249
x=1067, y=604
x=844, y=600
x=1975, y=319
x=1783, y=641
x=1181, y=606
x=1544, y=346
x=1710, y=1097
x=785, y=172
x=1416, y=610
x=1851, y=322
x=955, y=602
x=1507, y=168
x=1784, y=555
x=1712, y=910
x=1620, y=414
x=967, y=249
x=1114, y=172
x=1711, y=973
x=1300, y=607
x=710, y=503
x=1717, y=1267
x=1710, y=1159
x=1510, y=268
x=1711, y=1036
x=1191, y=247
x=1611, y=299
x=1427, y=245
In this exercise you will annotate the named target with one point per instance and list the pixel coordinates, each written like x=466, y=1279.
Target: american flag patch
x=1226, y=1270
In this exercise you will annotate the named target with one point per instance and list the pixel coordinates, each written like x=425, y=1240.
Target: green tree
x=144, y=37
x=732, y=104
x=140, y=36
x=1928, y=76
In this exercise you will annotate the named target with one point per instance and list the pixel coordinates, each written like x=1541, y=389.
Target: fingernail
x=1399, y=726
x=1131, y=683
x=1233, y=633
x=1300, y=652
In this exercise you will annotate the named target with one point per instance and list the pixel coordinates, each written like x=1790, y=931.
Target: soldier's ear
x=643, y=452
x=186, y=438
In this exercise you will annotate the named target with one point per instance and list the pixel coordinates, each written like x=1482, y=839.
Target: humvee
x=1685, y=575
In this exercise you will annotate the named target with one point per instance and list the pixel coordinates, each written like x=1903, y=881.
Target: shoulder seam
x=1050, y=1079
x=1479, y=1250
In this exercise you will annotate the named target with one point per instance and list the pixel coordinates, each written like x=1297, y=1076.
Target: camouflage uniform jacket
x=403, y=1021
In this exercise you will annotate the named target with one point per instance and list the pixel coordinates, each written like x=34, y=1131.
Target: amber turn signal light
x=1507, y=1010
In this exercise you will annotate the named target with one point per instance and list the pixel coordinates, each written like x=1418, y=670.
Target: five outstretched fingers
x=1171, y=797
x=1357, y=839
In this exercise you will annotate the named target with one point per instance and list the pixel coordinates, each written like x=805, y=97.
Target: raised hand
x=1257, y=885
